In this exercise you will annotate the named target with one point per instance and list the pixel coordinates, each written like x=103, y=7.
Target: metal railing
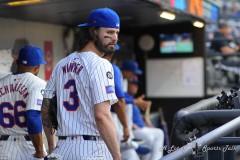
x=193, y=147
x=206, y=104
x=186, y=121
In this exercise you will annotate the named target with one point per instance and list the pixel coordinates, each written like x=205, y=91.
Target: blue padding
x=34, y=121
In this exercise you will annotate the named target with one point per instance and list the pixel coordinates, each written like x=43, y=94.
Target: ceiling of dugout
x=133, y=13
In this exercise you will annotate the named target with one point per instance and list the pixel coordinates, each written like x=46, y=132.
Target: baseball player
x=20, y=103
x=119, y=113
x=153, y=137
x=130, y=70
x=119, y=109
x=84, y=86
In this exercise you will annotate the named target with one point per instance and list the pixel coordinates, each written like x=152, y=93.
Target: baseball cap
x=132, y=66
x=31, y=56
x=103, y=17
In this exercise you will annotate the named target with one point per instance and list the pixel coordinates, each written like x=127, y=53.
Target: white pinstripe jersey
x=80, y=80
x=18, y=93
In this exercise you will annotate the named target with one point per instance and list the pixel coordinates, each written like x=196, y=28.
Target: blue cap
x=31, y=56
x=132, y=66
x=103, y=17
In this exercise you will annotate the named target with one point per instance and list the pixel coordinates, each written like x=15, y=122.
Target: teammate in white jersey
x=20, y=103
x=84, y=86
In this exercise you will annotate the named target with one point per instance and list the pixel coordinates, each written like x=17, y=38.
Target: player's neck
x=21, y=69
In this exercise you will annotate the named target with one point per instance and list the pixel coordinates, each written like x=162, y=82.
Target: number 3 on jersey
x=74, y=103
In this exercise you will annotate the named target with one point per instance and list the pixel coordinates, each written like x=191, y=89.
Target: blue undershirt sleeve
x=34, y=121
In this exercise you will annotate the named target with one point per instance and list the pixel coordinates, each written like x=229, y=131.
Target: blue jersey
x=128, y=98
x=118, y=81
x=137, y=117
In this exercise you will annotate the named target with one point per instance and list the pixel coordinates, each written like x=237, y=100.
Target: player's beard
x=104, y=48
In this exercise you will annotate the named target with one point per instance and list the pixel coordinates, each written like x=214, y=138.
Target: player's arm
x=103, y=94
x=142, y=103
x=47, y=123
x=49, y=92
x=120, y=106
x=106, y=128
x=120, y=109
x=34, y=126
x=33, y=119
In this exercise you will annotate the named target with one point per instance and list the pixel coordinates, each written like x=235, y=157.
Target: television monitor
x=176, y=43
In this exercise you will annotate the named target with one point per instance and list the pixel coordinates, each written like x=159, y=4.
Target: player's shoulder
x=99, y=60
x=116, y=70
x=65, y=60
x=105, y=61
x=90, y=57
x=59, y=65
x=35, y=79
x=40, y=81
x=103, y=64
x=6, y=77
x=115, y=67
x=92, y=60
x=62, y=61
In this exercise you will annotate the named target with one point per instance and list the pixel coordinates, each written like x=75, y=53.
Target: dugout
x=172, y=55
x=50, y=24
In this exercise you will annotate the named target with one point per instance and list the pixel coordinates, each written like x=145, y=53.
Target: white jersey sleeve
x=102, y=83
x=50, y=89
x=34, y=102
